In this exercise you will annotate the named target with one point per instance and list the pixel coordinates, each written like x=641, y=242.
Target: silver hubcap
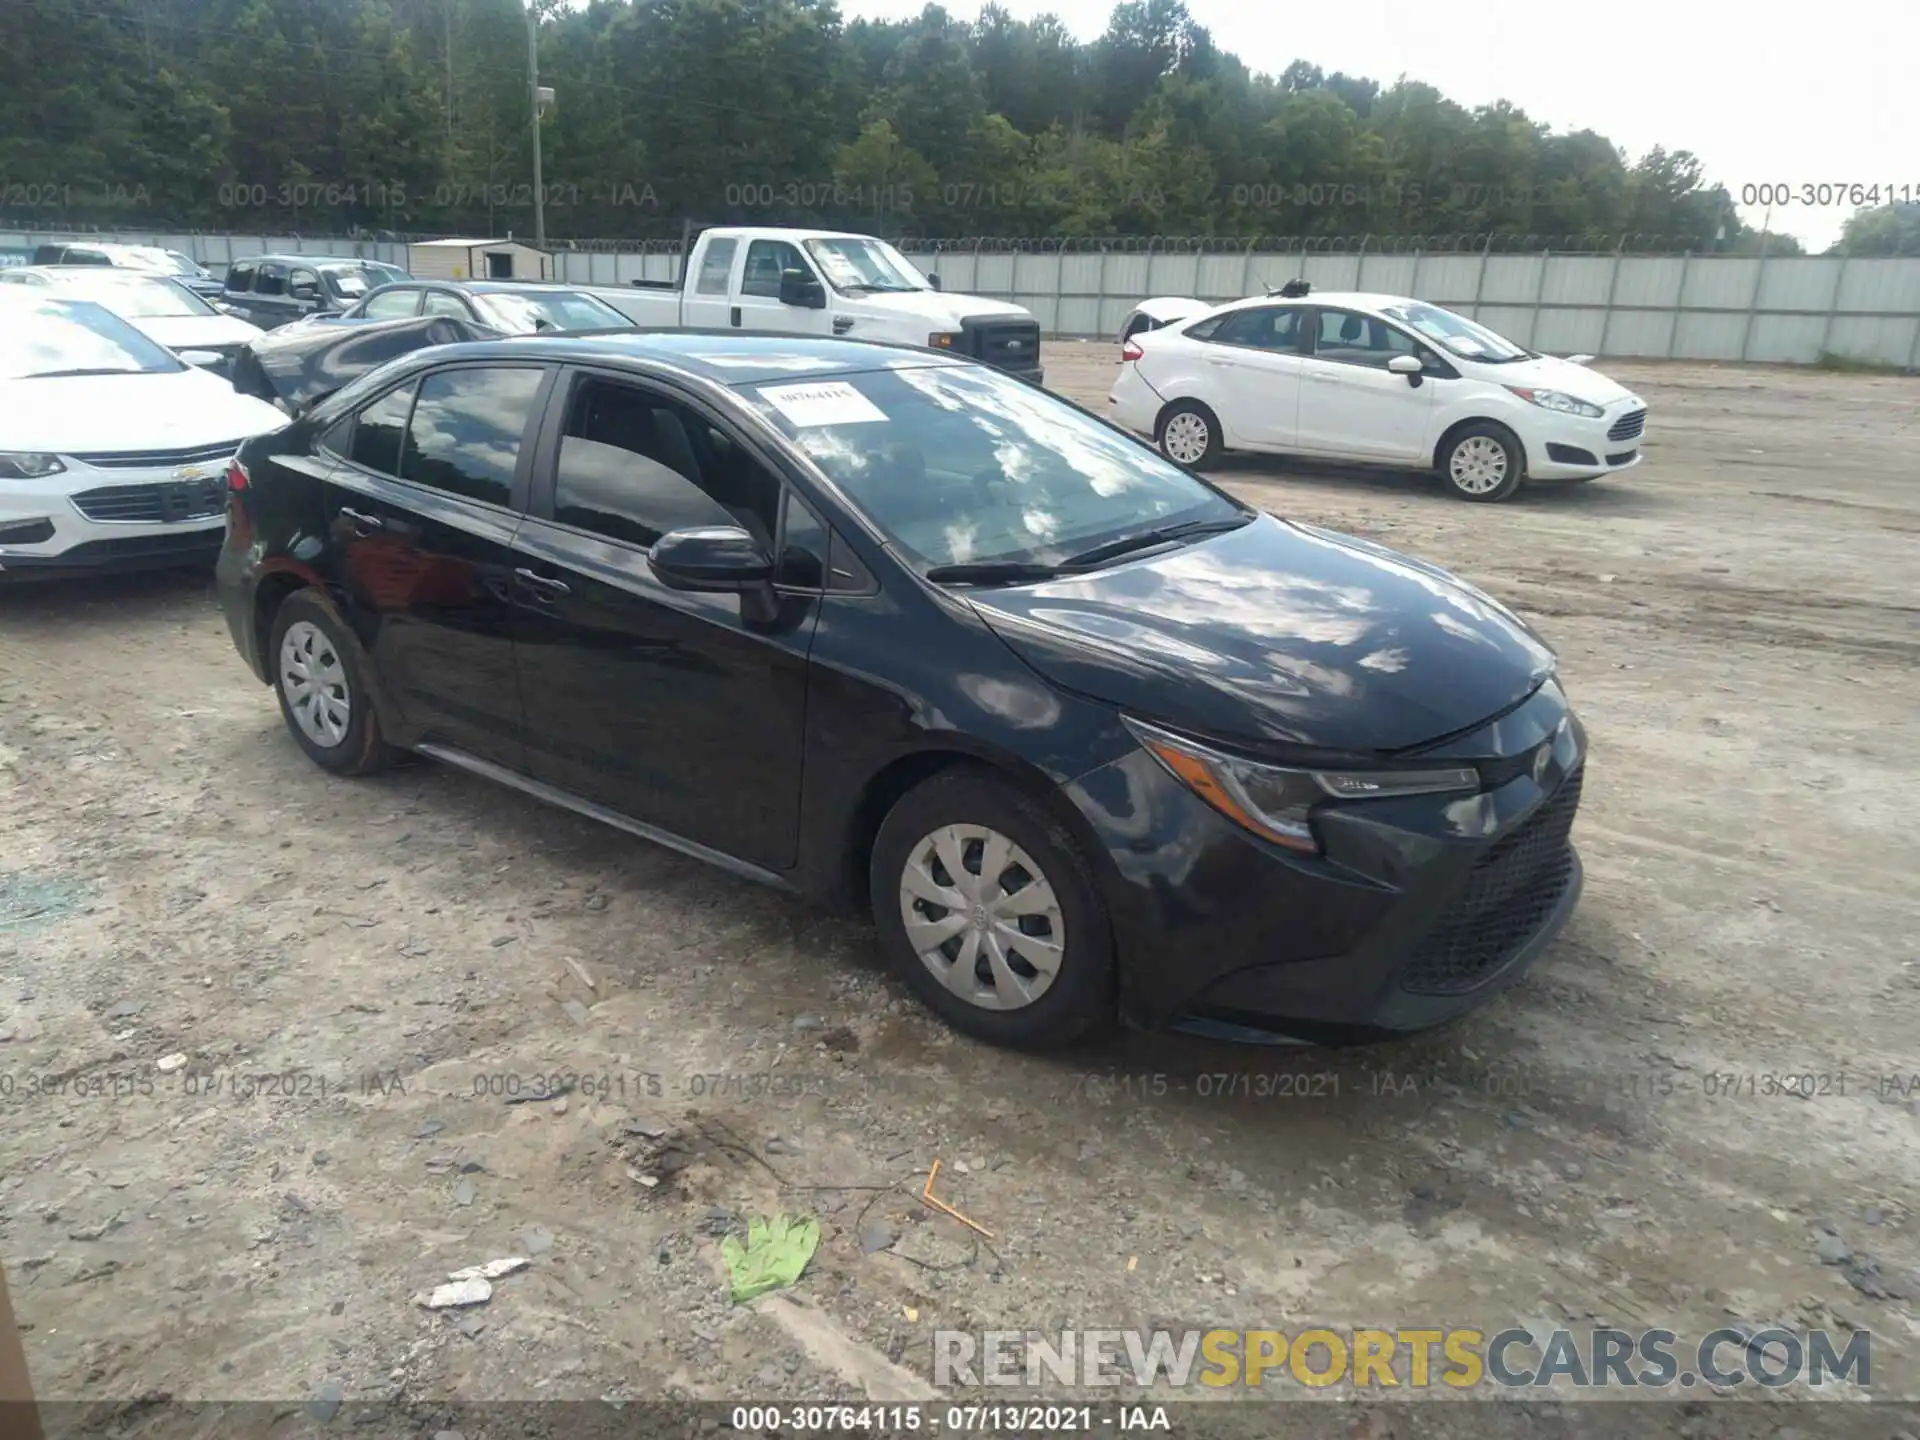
x=982, y=917
x=315, y=684
x=1479, y=464
x=1184, y=438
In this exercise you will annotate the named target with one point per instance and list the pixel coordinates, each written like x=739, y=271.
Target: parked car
x=272, y=290
x=113, y=452
x=1377, y=378
x=158, y=307
x=512, y=307
x=149, y=259
x=1092, y=737
x=823, y=282
x=297, y=366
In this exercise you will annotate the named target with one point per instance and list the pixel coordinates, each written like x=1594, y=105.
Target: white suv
x=113, y=453
x=1380, y=379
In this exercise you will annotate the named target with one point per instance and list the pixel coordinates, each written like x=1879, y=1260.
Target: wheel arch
x=1452, y=433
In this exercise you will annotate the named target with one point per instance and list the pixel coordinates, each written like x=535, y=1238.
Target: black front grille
x=158, y=459
x=154, y=504
x=1569, y=455
x=1512, y=890
x=1008, y=344
x=1628, y=426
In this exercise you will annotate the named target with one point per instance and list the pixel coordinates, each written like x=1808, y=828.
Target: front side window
x=716, y=264
x=441, y=302
x=305, y=282
x=43, y=338
x=272, y=280
x=766, y=261
x=964, y=465
x=635, y=464
x=467, y=426
x=1351, y=338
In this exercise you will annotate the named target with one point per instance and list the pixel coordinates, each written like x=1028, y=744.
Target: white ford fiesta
x=1379, y=379
x=113, y=452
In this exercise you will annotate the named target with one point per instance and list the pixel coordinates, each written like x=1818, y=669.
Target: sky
x=1765, y=94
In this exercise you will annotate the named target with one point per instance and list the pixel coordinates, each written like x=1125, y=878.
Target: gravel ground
x=405, y=956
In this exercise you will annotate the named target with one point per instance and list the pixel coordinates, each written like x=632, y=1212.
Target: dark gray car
x=271, y=290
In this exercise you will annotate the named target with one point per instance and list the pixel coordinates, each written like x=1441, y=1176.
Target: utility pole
x=533, y=85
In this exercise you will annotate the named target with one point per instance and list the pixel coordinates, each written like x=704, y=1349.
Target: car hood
x=196, y=332
x=88, y=414
x=1279, y=632
x=1546, y=372
x=937, y=309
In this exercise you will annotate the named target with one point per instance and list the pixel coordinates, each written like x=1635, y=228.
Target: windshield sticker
x=831, y=403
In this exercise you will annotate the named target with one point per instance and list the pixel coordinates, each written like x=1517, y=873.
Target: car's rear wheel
x=319, y=675
x=989, y=912
x=1483, y=463
x=1189, y=435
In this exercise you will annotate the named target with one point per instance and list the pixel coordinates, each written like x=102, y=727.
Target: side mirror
x=934, y=281
x=304, y=292
x=1405, y=365
x=712, y=558
x=204, y=359
x=799, y=288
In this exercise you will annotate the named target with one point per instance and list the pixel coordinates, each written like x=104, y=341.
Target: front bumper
x=1421, y=909
x=1567, y=447
x=90, y=520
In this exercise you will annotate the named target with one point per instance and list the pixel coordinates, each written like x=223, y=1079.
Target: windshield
x=857, y=263
x=560, y=310
x=350, y=282
x=74, y=337
x=132, y=297
x=964, y=465
x=1456, y=334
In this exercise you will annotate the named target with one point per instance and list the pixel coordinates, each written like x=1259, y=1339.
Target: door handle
x=736, y=317
x=842, y=325
x=1323, y=380
x=543, y=584
x=363, y=524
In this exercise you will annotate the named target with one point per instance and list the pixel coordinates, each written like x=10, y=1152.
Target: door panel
x=1351, y=404
x=428, y=559
x=759, y=302
x=685, y=711
x=706, y=301
x=1251, y=364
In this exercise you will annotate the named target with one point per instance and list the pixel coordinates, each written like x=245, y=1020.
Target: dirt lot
x=1738, y=624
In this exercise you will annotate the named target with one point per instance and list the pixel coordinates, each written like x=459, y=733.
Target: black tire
x=360, y=748
x=1460, y=473
x=1079, y=1001
x=1213, y=449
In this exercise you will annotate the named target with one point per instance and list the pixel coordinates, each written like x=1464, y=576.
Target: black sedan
x=1093, y=739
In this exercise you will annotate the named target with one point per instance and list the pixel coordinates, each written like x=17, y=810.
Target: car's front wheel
x=1483, y=462
x=1188, y=434
x=988, y=911
x=319, y=675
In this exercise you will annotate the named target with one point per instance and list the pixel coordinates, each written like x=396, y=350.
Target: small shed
x=478, y=260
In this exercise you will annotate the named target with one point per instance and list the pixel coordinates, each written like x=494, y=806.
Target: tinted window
x=1356, y=339
x=1203, y=331
x=715, y=265
x=1262, y=327
x=635, y=464
x=391, y=304
x=239, y=277
x=466, y=431
x=963, y=463
x=308, y=278
x=766, y=259
x=272, y=280
x=376, y=437
x=803, y=548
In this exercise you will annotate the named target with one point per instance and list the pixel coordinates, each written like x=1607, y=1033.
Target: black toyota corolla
x=1092, y=739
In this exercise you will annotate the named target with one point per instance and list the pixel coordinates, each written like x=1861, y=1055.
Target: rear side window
x=466, y=431
x=391, y=304
x=715, y=265
x=376, y=435
x=240, y=277
x=1261, y=328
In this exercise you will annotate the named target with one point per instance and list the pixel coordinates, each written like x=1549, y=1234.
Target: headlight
x=945, y=339
x=1558, y=401
x=1277, y=803
x=28, y=466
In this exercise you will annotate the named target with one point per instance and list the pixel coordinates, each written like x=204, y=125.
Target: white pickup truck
x=826, y=282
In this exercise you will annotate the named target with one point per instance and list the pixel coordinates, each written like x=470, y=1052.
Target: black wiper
x=991, y=572
x=1147, y=539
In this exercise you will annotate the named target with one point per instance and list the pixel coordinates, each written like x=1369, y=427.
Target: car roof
x=1339, y=299
x=310, y=260
x=486, y=287
x=726, y=357
x=794, y=234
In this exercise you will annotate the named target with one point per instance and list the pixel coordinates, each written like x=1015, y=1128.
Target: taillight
x=1131, y=351
x=236, y=475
